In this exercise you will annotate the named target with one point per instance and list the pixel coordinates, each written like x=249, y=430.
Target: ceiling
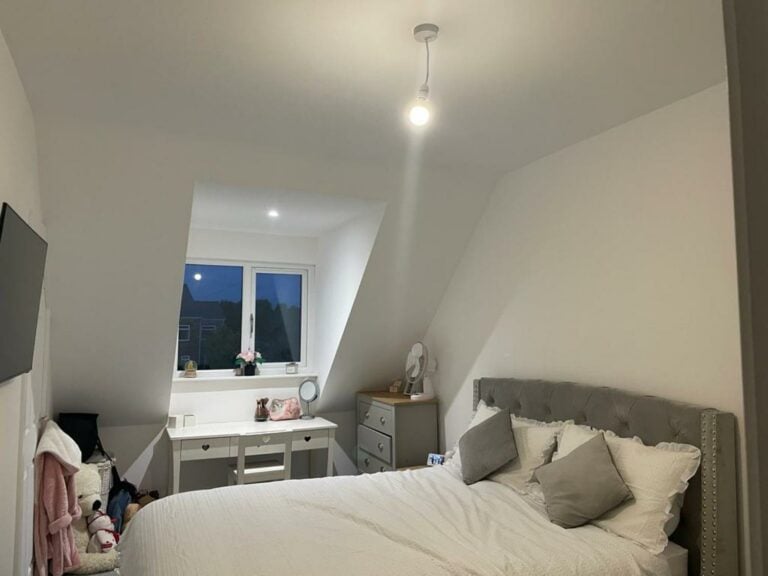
x=217, y=207
x=513, y=80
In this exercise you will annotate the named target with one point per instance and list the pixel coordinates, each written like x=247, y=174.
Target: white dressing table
x=220, y=440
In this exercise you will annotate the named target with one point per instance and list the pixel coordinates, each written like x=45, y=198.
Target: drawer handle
x=381, y=447
x=367, y=415
x=381, y=468
x=265, y=439
x=367, y=461
x=382, y=420
x=205, y=447
x=307, y=438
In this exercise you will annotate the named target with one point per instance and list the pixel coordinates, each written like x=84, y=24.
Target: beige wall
x=25, y=398
x=610, y=262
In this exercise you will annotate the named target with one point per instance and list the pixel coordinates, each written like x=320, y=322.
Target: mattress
x=423, y=522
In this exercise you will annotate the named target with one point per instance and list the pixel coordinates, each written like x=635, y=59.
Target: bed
x=428, y=522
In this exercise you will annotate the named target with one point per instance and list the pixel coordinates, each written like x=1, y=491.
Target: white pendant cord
x=426, y=80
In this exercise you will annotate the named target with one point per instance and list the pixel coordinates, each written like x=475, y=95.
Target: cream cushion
x=536, y=441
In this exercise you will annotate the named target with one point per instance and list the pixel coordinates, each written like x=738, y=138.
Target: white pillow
x=535, y=445
x=535, y=441
x=657, y=476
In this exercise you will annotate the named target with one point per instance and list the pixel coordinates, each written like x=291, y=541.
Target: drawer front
x=310, y=440
x=376, y=417
x=368, y=464
x=205, y=448
x=376, y=443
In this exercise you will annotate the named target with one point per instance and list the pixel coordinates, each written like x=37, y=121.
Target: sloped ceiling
x=136, y=102
x=118, y=202
x=512, y=80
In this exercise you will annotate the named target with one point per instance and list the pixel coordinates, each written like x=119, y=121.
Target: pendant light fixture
x=421, y=110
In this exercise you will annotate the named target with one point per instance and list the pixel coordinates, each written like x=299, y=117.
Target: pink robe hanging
x=56, y=507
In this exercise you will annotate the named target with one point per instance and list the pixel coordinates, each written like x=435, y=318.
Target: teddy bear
x=88, y=484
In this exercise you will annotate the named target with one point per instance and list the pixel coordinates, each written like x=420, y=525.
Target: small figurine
x=262, y=413
x=190, y=369
x=395, y=386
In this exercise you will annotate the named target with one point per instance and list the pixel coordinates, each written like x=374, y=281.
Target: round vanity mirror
x=308, y=392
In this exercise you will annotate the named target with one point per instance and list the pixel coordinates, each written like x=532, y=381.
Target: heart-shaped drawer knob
x=307, y=438
x=205, y=447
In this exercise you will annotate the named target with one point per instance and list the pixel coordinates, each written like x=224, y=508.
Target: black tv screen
x=22, y=263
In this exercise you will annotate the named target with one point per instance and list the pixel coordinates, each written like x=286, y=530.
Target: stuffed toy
x=103, y=535
x=88, y=484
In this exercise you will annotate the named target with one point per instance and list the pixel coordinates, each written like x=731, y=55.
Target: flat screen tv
x=22, y=263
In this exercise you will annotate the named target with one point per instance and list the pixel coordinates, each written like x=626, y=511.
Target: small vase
x=249, y=370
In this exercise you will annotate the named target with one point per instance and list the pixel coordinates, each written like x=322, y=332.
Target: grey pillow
x=487, y=447
x=583, y=485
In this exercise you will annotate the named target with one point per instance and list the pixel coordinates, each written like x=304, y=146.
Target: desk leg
x=175, y=467
x=331, y=442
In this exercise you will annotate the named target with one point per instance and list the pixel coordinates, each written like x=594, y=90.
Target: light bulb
x=419, y=114
x=273, y=213
x=198, y=276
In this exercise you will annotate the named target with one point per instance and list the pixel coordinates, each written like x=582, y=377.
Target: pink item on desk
x=284, y=409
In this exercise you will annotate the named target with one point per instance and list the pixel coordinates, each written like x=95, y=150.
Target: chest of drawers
x=394, y=431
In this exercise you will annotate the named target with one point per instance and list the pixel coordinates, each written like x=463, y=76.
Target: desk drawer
x=376, y=417
x=205, y=448
x=302, y=440
x=376, y=443
x=310, y=440
x=368, y=464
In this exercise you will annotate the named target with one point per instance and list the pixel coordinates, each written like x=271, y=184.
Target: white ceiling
x=513, y=80
x=217, y=207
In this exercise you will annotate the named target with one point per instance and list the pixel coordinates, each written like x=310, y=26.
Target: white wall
x=343, y=255
x=611, y=262
x=251, y=247
x=25, y=399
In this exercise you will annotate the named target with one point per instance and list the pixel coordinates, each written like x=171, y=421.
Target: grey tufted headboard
x=708, y=524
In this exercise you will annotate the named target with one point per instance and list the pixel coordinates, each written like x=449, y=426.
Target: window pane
x=277, y=326
x=210, y=324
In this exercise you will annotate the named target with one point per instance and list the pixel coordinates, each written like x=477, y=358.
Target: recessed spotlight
x=273, y=213
x=198, y=276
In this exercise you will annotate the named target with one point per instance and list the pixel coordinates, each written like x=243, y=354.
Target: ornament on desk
x=262, y=412
x=394, y=388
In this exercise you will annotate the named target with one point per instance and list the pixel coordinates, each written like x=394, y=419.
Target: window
x=212, y=298
x=229, y=308
x=277, y=317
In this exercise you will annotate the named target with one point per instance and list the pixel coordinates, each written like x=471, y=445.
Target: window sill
x=213, y=383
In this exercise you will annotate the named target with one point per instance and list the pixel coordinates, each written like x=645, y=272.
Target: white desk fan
x=418, y=367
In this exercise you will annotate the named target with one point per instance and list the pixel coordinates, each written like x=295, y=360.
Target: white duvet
x=424, y=522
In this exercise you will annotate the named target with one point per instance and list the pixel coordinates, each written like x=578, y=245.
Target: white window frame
x=189, y=332
x=302, y=271
x=250, y=269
